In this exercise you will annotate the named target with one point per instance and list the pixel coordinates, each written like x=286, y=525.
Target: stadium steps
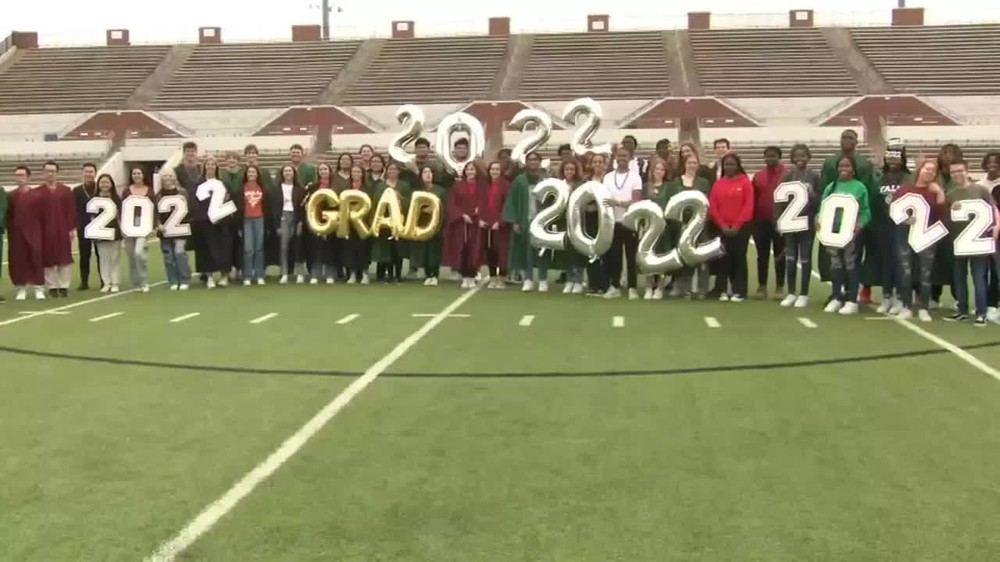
x=680, y=65
x=150, y=88
x=10, y=58
x=856, y=63
x=367, y=52
x=508, y=81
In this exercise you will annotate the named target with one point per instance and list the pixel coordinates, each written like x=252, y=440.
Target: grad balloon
x=540, y=232
x=388, y=214
x=322, y=215
x=422, y=203
x=542, y=122
x=454, y=123
x=592, y=247
x=650, y=214
x=586, y=114
x=354, y=208
x=412, y=118
x=691, y=252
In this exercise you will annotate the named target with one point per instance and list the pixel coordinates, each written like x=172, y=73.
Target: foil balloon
x=591, y=246
x=412, y=119
x=422, y=204
x=691, y=251
x=354, y=208
x=648, y=217
x=540, y=133
x=322, y=215
x=388, y=214
x=456, y=123
x=586, y=115
x=541, y=232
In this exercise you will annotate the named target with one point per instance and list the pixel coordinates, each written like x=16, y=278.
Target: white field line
x=48, y=312
x=72, y=305
x=526, y=320
x=216, y=510
x=711, y=322
x=807, y=323
x=184, y=317
x=422, y=315
x=348, y=319
x=618, y=322
x=106, y=317
x=265, y=318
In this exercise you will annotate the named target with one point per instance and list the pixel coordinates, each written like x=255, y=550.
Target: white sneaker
x=300, y=279
x=849, y=308
x=183, y=287
x=434, y=281
x=314, y=281
x=736, y=298
x=633, y=294
x=467, y=283
x=210, y=283
x=924, y=315
x=224, y=281
x=657, y=294
x=351, y=280
x=648, y=295
x=568, y=289
x=904, y=314
x=39, y=294
x=116, y=288
x=283, y=280
x=543, y=286
x=897, y=307
x=993, y=315
x=145, y=289
x=528, y=286
x=613, y=293
x=261, y=282
x=21, y=295
x=365, y=280
x=330, y=280
x=173, y=287
x=427, y=282
x=578, y=289
x=802, y=301
x=246, y=283
x=723, y=297
x=105, y=288
x=833, y=306
x=885, y=306
x=789, y=300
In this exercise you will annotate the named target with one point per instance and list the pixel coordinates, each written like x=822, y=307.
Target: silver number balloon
x=691, y=252
x=455, y=123
x=412, y=119
x=542, y=122
x=586, y=114
x=540, y=231
x=592, y=247
x=648, y=216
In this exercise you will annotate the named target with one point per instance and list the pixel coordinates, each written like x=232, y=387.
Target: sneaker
x=723, y=297
x=957, y=317
x=802, y=301
x=427, y=282
x=314, y=281
x=648, y=295
x=866, y=296
x=789, y=300
x=543, y=286
x=568, y=289
x=737, y=298
x=53, y=293
x=897, y=307
x=528, y=286
x=246, y=283
x=979, y=322
x=210, y=283
x=885, y=306
x=579, y=289
x=21, y=295
x=64, y=293
x=904, y=314
x=183, y=287
x=261, y=282
x=300, y=279
x=83, y=287
x=657, y=294
x=105, y=288
x=434, y=281
x=116, y=288
x=224, y=281
x=779, y=293
x=924, y=315
x=351, y=280
x=833, y=306
x=993, y=315
x=39, y=294
x=633, y=294
x=365, y=280
x=330, y=280
x=145, y=289
x=612, y=293
x=848, y=309
x=283, y=280
x=468, y=282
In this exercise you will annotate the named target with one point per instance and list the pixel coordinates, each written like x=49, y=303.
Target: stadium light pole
x=325, y=8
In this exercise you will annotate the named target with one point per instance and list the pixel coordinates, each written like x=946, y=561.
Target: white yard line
x=106, y=317
x=184, y=317
x=71, y=306
x=807, y=323
x=526, y=320
x=618, y=322
x=348, y=319
x=49, y=312
x=422, y=315
x=711, y=322
x=218, y=509
x=265, y=318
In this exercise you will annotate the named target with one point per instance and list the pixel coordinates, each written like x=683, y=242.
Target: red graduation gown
x=462, y=239
x=58, y=220
x=24, y=233
x=491, y=201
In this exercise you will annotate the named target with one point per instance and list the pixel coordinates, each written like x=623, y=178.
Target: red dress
x=58, y=220
x=491, y=202
x=461, y=240
x=24, y=233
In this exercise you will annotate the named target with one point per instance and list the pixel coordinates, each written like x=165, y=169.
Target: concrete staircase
x=680, y=64
x=10, y=58
x=508, y=83
x=367, y=52
x=857, y=64
x=150, y=87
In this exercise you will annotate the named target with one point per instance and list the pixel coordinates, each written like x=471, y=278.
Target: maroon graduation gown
x=491, y=201
x=24, y=233
x=460, y=238
x=58, y=220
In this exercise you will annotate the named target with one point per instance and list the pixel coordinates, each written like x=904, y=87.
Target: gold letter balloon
x=322, y=215
x=422, y=204
x=355, y=206
x=388, y=214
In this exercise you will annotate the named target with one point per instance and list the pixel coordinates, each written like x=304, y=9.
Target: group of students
x=487, y=212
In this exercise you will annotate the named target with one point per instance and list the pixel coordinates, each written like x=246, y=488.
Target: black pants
x=733, y=264
x=492, y=255
x=218, y=245
x=86, y=246
x=766, y=238
x=354, y=256
x=392, y=270
x=625, y=244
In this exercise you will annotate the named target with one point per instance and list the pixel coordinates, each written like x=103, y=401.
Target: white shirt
x=286, y=198
x=621, y=187
x=634, y=164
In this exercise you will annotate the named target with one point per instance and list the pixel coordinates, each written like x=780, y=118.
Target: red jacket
x=764, y=184
x=730, y=203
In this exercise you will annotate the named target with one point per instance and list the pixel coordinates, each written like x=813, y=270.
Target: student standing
x=731, y=210
x=927, y=187
x=386, y=249
x=799, y=245
x=765, y=235
x=570, y=172
x=59, y=223
x=289, y=212
x=882, y=259
x=323, y=249
x=964, y=190
x=83, y=193
x=689, y=179
x=991, y=165
x=844, y=273
x=108, y=251
x=217, y=234
x=24, y=235
x=519, y=210
x=252, y=198
x=495, y=235
x=624, y=185
x=137, y=248
x=427, y=254
x=462, y=247
x=356, y=251
x=173, y=247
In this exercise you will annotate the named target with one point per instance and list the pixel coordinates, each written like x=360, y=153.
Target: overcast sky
x=74, y=22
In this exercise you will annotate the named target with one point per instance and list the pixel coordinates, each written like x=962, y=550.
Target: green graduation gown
x=427, y=254
x=517, y=211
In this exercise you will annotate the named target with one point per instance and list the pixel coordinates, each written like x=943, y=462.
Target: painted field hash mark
x=618, y=322
x=184, y=317
x=348, y=319
x=106, y=317
x=526, y=320
x=712, y=322
x=807, y=323
x=265, y=318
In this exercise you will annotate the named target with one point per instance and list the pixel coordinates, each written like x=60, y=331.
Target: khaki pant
x=58, y=277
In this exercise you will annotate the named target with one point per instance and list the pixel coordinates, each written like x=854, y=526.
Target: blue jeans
x=844, y=274
x=978, y=265
x=574, y=274
x=529, y=263
x=253, y=248
x=892, y=282
x=175, y=261
x=798, y=251
x=925, y=266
